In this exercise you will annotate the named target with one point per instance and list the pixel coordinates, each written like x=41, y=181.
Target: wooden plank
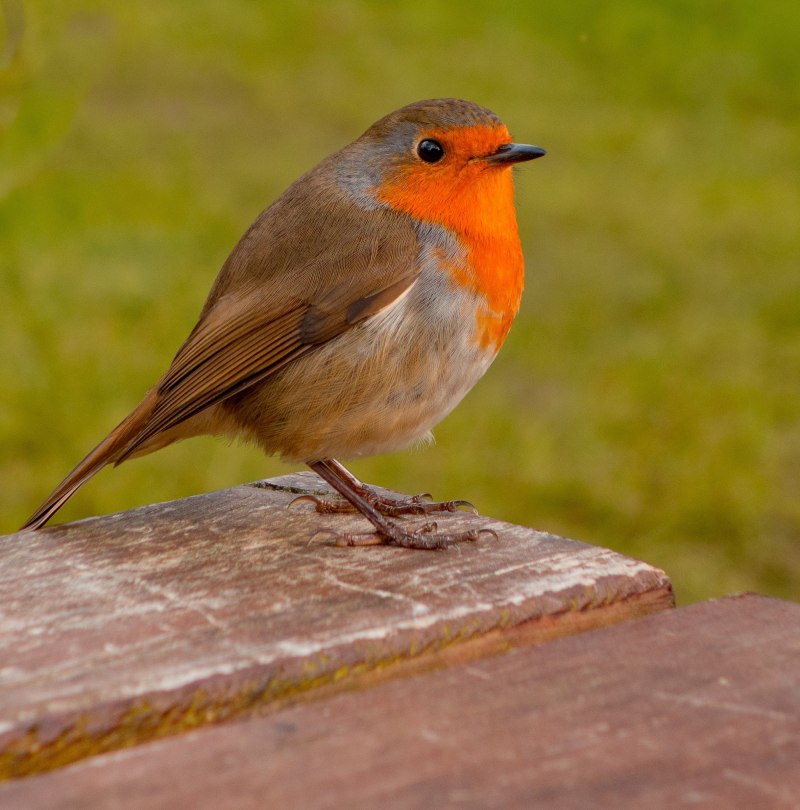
x=124, y=628
x=698, y=707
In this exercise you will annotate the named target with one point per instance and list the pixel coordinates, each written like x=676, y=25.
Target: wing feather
x=243, y=339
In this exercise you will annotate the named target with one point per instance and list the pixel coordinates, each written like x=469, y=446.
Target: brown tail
x=111, y=449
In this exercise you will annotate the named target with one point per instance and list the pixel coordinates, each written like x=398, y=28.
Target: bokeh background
x=648, y=396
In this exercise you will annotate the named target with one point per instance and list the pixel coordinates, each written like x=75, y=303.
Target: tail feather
x=111, y=449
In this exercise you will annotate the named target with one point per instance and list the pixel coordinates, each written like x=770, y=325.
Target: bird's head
x=444, y=160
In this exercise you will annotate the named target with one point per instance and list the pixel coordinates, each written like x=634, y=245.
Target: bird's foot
x=390, y=507
x=423, y=538
x=378, y=509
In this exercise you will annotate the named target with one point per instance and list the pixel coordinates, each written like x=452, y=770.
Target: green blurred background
x=647, y=398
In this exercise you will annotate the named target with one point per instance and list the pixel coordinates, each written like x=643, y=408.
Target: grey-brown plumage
x=332, y=329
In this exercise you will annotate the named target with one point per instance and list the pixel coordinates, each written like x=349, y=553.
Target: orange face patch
x=475, y=201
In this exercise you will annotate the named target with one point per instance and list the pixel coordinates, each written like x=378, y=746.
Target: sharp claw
x=323, y=505
x=463, y=505
x=319, y=532
x=312, y=498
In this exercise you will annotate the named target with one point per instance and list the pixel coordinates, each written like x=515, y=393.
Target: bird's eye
x=430, y=151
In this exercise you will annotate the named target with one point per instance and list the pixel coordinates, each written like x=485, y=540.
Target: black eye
x=430, y=151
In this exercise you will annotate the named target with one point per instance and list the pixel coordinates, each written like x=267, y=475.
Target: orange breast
x=475, y=201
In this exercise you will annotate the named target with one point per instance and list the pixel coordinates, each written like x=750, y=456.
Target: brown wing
x=244, y=336
x=309, y=268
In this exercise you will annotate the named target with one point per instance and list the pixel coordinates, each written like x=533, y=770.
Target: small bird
x=354, y=314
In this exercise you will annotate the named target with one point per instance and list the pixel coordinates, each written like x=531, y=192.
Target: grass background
x=647, y=398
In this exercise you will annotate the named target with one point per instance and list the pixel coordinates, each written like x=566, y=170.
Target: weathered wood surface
x=698, y=707
x=162, y=619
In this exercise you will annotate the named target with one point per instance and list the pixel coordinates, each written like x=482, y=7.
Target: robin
x=353, y=315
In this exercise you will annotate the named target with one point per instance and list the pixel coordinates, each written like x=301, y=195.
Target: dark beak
x=510, y=153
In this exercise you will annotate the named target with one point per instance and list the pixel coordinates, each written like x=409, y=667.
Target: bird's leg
x=390, y=507
x=386, y=531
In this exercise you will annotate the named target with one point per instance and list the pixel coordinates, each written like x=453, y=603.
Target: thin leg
x=386, y=531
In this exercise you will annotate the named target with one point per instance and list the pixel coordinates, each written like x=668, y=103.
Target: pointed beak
x=510, y=153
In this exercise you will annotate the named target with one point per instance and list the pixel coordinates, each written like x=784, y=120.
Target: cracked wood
x=119, y=629
x=697, y=707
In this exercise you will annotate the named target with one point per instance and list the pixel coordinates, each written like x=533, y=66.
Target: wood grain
x=124, y=628
x=698, y=707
